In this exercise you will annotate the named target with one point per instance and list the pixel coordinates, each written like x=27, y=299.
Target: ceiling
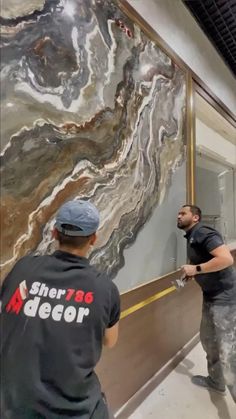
x=217, y=18
x=209, y=116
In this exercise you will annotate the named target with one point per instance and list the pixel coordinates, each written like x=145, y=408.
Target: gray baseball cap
x=80, y=214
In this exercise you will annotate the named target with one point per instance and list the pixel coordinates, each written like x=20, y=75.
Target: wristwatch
x=198, y=268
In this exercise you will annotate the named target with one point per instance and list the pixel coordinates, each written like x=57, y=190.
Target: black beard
x=181, y=226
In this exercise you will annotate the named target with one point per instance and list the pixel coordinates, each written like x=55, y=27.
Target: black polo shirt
x=55, y=310
x=218, y=287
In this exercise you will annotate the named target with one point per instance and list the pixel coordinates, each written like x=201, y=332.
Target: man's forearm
x=216, y=264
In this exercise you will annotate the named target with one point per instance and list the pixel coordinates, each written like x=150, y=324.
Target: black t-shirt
x=55, y=310
x=218, y=287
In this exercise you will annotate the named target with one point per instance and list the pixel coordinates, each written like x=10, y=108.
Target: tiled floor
x=177, y=398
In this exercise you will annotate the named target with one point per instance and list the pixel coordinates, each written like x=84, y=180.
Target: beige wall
x=173, y=22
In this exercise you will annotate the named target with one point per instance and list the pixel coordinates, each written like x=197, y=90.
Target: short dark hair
x=72, y=241
x=194, y=210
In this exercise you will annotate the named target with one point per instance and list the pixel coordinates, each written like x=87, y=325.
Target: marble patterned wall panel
x=90, y=108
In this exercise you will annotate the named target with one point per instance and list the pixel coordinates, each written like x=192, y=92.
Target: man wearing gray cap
x=57, y=312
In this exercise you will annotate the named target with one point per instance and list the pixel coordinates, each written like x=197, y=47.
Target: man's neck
x=82, y=251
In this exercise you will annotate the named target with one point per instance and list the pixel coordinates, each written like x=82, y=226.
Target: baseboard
x=144, y=391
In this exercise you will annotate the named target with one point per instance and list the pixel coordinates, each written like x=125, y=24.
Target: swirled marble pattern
x=90, y=108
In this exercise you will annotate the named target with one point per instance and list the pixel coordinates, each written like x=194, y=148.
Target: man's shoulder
x=207, y=237
x=204, y=230
x=19, y=272
x=104, y=279
x=27, y=262
x=100, y=276
x=31, y=258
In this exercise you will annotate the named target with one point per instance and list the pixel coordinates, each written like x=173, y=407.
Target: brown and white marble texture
x=90, y=108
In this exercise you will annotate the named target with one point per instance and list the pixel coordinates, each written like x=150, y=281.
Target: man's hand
x=189, y=270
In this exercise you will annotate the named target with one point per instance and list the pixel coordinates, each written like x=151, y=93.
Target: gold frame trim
x=191, y=140
x=153, y=280
x=146, y=302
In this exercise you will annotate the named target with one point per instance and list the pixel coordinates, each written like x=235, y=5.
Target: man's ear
x=54, y=233
x=93, y=239
x=196, y=218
